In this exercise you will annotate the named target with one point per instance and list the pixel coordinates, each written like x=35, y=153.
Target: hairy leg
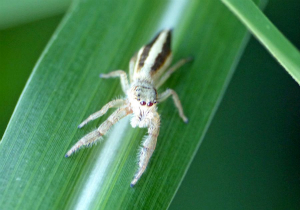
x=95, y=135
x=163, y=96
x=168, y=73
x=103, y=110
x=148, y=148
x=122, y=75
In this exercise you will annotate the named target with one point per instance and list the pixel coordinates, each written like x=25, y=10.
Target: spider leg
x=163, y=96
x=122, y=75
x=148, y=148
x=103, y=110
x=171, y=70
x=95, y=135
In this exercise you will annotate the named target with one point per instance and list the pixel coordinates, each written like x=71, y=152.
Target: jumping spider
x=147, y=71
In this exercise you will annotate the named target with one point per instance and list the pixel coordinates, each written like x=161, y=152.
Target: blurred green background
x=250, y=156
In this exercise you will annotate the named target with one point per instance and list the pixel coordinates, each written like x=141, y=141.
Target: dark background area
x=250, y=156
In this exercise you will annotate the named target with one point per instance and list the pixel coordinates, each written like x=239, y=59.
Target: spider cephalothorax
x=145, y=94
x=148, y=71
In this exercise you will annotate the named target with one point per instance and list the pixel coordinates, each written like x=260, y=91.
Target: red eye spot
x=149, y=103
x=143, y=103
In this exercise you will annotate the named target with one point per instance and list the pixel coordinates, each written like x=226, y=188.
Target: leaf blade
x=56, y=101
x=283, y=51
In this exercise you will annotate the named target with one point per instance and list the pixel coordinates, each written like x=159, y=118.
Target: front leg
x=123, y=78
x=95, y=135
x=148, y=147
x=114, y=103
x=163, y=96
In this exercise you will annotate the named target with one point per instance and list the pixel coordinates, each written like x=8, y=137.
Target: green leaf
x=286, y=54
x=64, y=89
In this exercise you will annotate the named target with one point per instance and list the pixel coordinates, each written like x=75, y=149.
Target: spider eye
x=143, y=103
x=149, y=103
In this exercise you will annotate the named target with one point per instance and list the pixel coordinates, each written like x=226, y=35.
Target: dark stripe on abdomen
x=163, y=55
x=146, y=51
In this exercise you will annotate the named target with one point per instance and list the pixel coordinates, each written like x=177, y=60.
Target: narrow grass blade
x=14, y=13
x=283, y=51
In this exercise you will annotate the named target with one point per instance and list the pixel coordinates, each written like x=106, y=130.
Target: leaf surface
x=64, y=88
